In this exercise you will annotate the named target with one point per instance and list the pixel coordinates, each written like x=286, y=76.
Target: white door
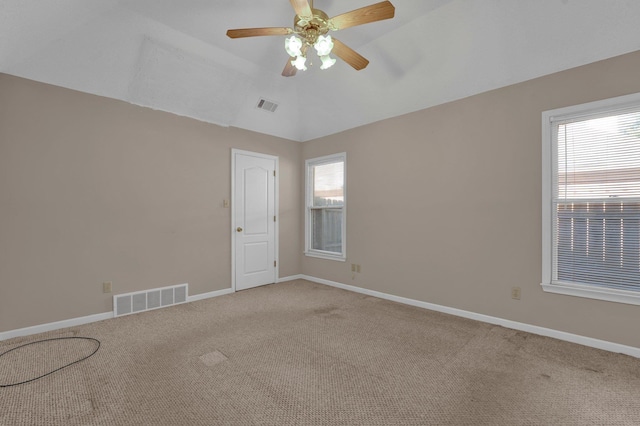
x=254, y=219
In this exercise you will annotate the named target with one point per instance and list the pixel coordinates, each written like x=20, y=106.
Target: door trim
x=233, y=209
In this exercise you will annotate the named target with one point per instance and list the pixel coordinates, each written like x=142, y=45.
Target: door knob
x=239, y=229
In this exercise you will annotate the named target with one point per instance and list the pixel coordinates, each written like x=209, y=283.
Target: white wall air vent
x=140, y=301
x=267, y=105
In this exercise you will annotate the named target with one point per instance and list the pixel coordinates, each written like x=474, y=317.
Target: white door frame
x=233, y=208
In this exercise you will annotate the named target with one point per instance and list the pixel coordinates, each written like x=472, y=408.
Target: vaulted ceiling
x=173, y=55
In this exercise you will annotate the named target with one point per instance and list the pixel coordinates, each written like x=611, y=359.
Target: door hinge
x=274, y=263
x=274, y=173
x=274, y=218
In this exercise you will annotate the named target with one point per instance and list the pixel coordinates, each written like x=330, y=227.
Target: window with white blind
x=591, y=200
x=325, y=212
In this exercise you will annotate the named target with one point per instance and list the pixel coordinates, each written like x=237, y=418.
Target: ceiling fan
x=310, y=28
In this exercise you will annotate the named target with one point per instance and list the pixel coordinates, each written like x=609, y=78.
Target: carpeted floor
x=300, y=353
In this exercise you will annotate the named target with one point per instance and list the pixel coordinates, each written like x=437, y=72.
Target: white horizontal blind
x=596, y=198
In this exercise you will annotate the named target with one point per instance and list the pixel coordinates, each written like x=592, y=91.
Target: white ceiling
x=173, y=55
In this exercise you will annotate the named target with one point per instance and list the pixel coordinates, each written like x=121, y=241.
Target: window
x=591, y=200
x=325, y=213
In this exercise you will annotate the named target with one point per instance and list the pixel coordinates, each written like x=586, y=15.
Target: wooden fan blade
x=349, y=55
x=255, y=32
x=289, y=70
x=375, y=12
x=302, y=8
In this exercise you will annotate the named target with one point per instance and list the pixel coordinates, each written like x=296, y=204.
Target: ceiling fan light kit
x=310, y=28
x=323, y=45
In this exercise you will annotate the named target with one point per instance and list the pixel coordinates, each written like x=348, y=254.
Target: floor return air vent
x=140, y=301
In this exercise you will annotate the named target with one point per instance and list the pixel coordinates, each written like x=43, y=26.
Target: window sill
x=339, y=258
x=591, y=292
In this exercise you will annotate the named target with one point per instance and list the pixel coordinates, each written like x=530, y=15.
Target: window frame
x=549, y=181
x=309, y=250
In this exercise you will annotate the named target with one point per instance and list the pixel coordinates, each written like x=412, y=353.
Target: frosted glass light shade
x=324, y=45
x=327, y=62
x=299, y=63
x=293, y=46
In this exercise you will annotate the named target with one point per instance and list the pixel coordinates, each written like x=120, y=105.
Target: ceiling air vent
x=267, y=105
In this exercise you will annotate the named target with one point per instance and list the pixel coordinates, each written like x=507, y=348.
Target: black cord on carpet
x=57, y=369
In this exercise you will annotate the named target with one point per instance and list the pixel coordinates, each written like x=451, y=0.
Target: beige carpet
x=300, y=353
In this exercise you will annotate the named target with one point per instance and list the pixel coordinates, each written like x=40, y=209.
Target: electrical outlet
x=515, y=293
x=353, y=267
x=106, y=287
x=358, y=268
x=225, y=204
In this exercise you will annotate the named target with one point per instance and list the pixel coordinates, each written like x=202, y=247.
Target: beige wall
x=93, y=190
x=444, y=205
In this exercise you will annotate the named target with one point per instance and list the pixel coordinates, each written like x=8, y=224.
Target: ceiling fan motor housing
x=311, y=29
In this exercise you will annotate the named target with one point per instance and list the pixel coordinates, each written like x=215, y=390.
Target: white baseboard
x=291, y=278
x=54, y=326
x=27, y=331
x=209, y=295
x=542, y=331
